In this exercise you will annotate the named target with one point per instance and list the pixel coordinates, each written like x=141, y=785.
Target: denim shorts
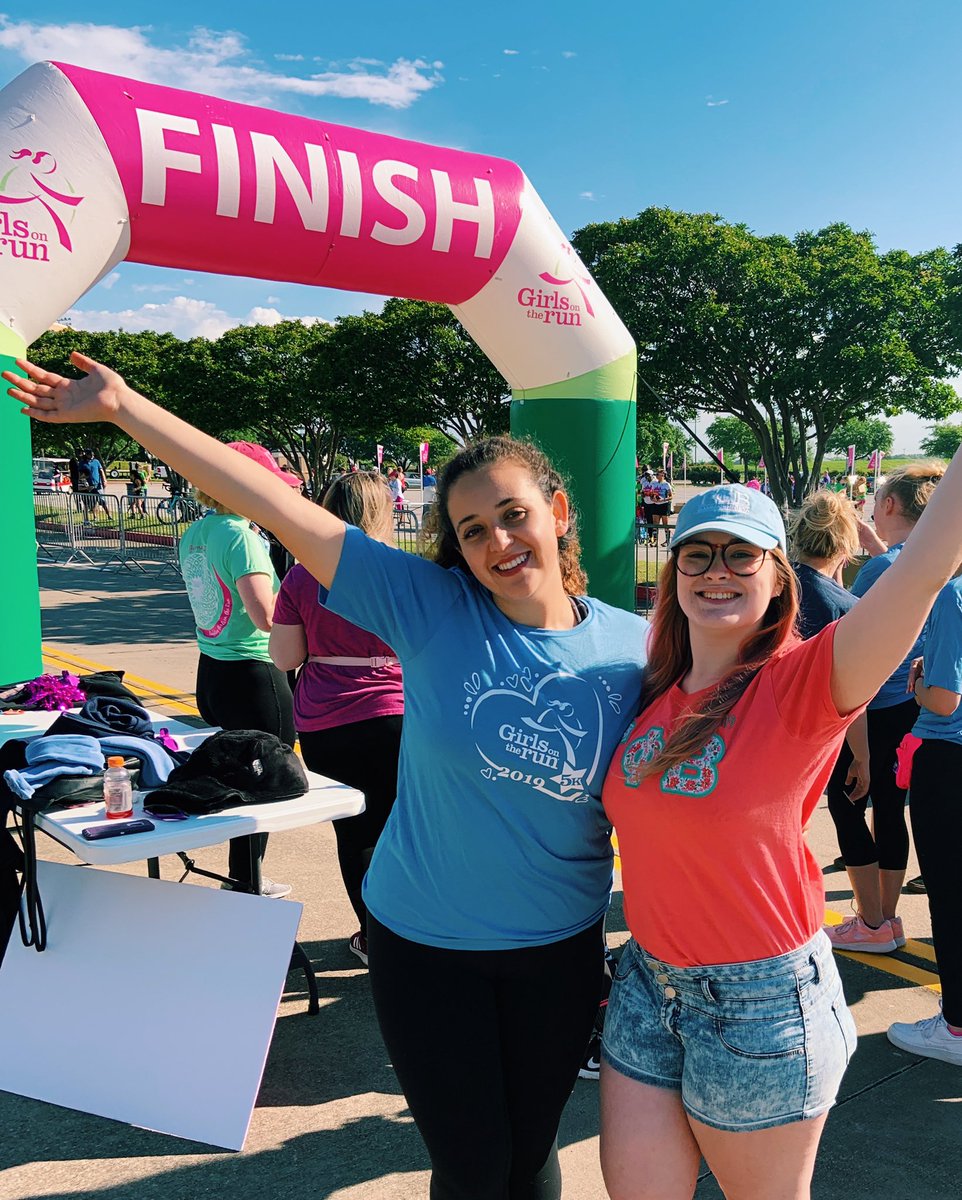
x=749, y=1045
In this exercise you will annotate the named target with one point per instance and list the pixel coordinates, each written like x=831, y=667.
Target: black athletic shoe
x=591, y=1064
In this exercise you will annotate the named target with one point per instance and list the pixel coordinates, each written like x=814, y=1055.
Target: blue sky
x=786, y=116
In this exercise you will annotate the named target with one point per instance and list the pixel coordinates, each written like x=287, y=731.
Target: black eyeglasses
x=165, y=812
x=740, y=558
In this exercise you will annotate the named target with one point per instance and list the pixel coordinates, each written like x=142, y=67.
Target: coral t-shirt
x=714, y=860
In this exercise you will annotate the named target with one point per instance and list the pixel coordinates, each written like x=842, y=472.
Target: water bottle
x=118, y=793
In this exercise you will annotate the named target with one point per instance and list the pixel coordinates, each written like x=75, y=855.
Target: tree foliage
x=429, y=359
x=653, y=431
x=791, y=336
x=735, y=438
x=943, y=440
x=865, y=434
x=144, y=359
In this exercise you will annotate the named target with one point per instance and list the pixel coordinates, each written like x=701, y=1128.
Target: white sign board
x=154, y=1002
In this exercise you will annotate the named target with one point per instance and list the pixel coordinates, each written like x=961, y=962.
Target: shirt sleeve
x=868, y=574
x=401, y=597
x=286, y=608
x=248, y=555
x=943, y=642
x=801, y=680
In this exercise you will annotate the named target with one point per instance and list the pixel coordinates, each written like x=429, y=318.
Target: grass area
x=837, y=465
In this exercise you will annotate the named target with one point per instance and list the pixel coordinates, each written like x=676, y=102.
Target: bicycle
x=178, y=508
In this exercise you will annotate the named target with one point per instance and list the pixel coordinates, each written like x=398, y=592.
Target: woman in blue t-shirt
x=936, y=811
x=488, y=887
x=899, y=504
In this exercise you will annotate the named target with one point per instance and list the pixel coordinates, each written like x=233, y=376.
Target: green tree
x=145, y=361
x=403, y=447
x=791, y=336
x=865, y=434
x=426, y=358
x=943, y=441
x=653, y=431
x=736, y=439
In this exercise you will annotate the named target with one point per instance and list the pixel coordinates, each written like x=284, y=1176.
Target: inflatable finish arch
x=96, y=169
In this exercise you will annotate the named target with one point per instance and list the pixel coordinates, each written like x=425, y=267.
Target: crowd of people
x=533, y=718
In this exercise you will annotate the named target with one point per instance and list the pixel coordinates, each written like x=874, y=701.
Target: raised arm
x=313, y=535
x=876, y=635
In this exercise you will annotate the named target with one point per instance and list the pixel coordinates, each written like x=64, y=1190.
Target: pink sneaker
x=854, y=934
x=897, y=931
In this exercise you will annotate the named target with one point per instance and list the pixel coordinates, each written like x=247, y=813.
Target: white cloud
x=110, y=280
x=587, y=196
x=289, y=57
x=182, y=316
x=212, y=62
x=270, y=316
x=510, y=51
x=710, y=103
x=569, y=54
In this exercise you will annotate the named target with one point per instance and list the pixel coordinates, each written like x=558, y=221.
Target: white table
x=215, y=960
x=325, y=800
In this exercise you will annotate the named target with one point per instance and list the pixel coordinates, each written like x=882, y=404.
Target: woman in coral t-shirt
x=727, y=1032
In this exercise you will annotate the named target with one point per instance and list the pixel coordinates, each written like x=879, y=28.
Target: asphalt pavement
x=330, y=1120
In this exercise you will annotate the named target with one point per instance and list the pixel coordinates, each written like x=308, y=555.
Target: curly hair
x=439, y=537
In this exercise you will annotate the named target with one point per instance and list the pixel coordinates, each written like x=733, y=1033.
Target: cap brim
x=748, y=533
x=290, y=480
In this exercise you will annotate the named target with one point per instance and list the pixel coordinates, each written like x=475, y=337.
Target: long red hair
x=670, y=660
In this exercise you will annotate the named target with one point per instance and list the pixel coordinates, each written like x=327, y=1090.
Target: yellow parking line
x=182, y=701
x=895, y=966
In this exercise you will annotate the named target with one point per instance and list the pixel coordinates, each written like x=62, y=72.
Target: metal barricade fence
x=651, y=550
x=131, y=532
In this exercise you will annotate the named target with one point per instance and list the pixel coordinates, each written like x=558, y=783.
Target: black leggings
x=363, y=755
x=890, y=845
x=936, y=812
x=487, y=1045
x=245, y=694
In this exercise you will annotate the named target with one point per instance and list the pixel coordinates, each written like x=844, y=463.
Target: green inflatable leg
x=20, y=656
x=592, y=442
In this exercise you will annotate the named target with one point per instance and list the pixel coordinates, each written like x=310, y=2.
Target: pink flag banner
x=425, y=448
x=380, y=455
x=850, y=461
x=761, y=464
x=872, y=459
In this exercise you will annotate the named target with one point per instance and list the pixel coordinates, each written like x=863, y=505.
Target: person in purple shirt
x=348, y=701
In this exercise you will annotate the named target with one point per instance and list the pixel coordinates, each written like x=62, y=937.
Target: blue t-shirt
x=822, y=600
x=96, y=473
x=498, y=838
x=943, y=662
x=892, y=691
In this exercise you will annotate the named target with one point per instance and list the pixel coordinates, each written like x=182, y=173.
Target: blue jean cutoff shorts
x=749, y=1045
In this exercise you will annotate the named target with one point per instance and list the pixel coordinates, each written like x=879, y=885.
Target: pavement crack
x=870, y=1087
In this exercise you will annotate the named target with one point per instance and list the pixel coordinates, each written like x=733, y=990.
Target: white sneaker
x=931, y=1038
x=270, y=889
x=274, y=891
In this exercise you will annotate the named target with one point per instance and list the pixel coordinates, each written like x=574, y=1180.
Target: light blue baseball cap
x=743, y=512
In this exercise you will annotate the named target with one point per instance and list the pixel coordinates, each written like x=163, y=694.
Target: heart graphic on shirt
x=550, y=739
x=487, y=772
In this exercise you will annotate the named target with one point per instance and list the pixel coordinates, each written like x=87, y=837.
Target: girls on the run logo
x=30, y=182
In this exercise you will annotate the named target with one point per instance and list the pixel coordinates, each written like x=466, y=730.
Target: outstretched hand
x=49, y=397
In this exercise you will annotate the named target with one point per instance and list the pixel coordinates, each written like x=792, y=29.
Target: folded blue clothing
x=50, y=757
x=155, y=763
